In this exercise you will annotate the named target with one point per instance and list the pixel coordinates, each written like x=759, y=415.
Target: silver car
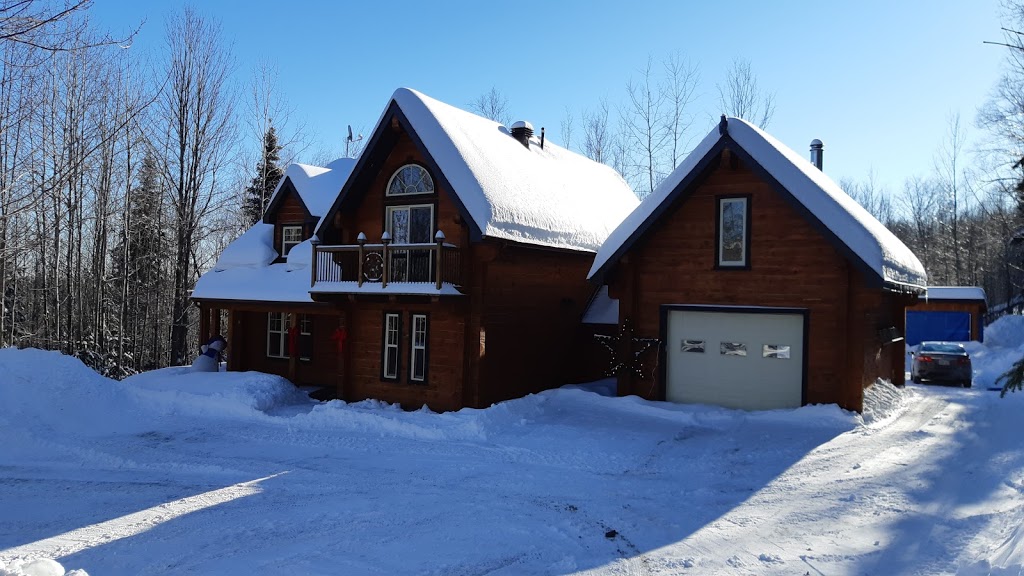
x=941, y=362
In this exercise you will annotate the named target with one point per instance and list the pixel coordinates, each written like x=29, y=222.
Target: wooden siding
x=533, y=301
x=291, y=213
x=247, y=349
x=791, y=265
x=369, y=216
x=445, y=348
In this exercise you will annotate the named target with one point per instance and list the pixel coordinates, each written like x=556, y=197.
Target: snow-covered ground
x=238, y=473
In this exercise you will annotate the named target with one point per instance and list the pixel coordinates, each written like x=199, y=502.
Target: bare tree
x=681, y=78
x=874, y=198
x=596, y=137
x=50, y=26
x=742, y=97
x=492, y=104
x=949, y=167
x=197, y=107
x=644, y=127
x=567, y=126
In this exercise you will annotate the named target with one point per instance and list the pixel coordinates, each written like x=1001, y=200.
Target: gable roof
x=855, y=232
x=544, y=196
x=316, y=186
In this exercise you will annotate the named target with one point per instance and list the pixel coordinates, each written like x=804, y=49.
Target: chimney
x=522, y=131
x=816, y=152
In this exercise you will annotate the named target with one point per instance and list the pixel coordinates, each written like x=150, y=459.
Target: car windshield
x=943, y=348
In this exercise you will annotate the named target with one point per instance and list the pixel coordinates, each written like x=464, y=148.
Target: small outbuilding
x=950, y=313
x=761, y=282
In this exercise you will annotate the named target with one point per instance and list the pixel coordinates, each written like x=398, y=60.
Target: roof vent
x=817, y=149
x=521, y=131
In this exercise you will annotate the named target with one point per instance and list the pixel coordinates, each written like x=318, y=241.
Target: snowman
x=209, y=360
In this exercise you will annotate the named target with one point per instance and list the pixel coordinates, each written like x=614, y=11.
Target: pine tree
x=1012, y=379
x=268, y=174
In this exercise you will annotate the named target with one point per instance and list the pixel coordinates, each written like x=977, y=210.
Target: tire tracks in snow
x=810, y=505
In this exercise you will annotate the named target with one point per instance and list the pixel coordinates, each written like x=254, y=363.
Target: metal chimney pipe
x=817, y=150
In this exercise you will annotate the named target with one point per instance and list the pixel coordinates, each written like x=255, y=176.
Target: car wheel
x=967, y=383
x=916, y=379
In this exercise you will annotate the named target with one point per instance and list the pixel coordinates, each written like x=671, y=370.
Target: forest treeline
x=123, y=175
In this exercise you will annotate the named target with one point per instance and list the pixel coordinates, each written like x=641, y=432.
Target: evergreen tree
x=268, y=174
x=1012, y=379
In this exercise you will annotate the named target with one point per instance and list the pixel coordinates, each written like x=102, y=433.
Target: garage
x=751, y=358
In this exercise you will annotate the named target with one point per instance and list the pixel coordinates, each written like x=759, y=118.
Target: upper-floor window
x=410, y=179
x=733, y=226
x=291, y=236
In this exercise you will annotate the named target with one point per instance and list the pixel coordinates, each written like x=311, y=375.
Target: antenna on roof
x=349, y=140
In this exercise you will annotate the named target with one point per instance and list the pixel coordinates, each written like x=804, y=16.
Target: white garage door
x=736, y=359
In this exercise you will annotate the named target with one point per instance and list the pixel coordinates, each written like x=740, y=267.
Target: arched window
x=410, y=179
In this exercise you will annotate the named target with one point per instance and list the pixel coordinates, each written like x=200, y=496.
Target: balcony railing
x=386, y=263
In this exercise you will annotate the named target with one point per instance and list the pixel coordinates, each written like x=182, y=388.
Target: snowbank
x=37, y=567
x=1004, y=345
x=883, y=401
x=178, y=389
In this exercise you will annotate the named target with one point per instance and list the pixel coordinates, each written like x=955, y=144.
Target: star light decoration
x=631, y=362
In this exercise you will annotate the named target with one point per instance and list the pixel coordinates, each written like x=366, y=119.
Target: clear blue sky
x=875, y=79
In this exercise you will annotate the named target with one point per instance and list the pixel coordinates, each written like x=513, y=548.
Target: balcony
x=387, y=268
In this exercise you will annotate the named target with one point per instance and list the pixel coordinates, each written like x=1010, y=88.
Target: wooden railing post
x=439, y=239
x=385, y=239
x=315, y=264
x=361, y=239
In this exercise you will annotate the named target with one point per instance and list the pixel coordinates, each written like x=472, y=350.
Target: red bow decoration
x=293, y=341
x=340, y=336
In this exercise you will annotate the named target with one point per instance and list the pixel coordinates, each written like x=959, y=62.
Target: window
x=277, y=335
x=409, y=180
x=412, y=224
x=418, y=353
x=733, y=228
x=392, y=330
x=278, y=324
x=291, y=236
x=305, y=337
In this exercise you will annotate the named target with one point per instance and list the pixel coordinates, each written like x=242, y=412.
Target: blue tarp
x=929, y=325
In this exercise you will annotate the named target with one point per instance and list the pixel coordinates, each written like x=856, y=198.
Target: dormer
x=293, y=222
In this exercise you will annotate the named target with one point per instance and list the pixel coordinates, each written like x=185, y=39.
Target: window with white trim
x=733, y=230
x=277, y=335
x=389, y=361
x=278, y=325
x=409, y=180
x=418, y=349
x=410, y=224
x=291, y=236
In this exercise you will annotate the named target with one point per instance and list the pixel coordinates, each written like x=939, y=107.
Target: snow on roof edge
x=956, y=293
x=888, y=256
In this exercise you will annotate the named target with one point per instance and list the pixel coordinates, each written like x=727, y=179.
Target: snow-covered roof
x=603, y=309
x=865, y=237
x=955, y=293
x=317, y=186
x=550, y=196
x=245, y=270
